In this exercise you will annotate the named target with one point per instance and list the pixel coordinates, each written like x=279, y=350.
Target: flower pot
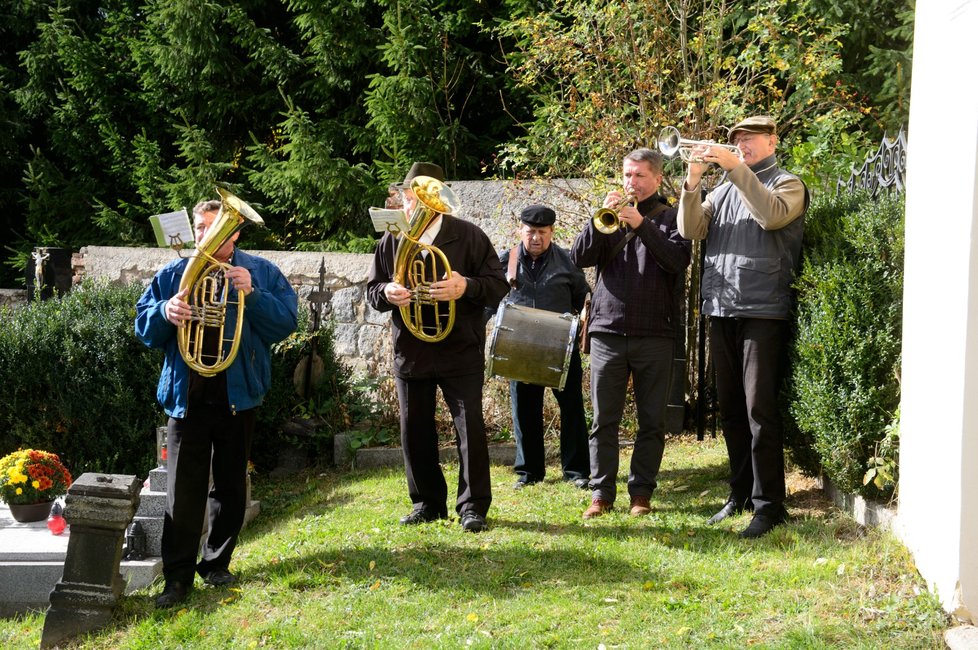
x=28, y=512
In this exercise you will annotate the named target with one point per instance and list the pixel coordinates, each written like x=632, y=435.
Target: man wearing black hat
x=544, y=277
x=753, y=225
x=632, y=328
x=454, y=364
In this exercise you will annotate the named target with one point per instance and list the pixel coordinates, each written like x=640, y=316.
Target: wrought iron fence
x=884, y=170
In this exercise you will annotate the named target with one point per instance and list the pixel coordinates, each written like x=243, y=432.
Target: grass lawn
x=326, y=565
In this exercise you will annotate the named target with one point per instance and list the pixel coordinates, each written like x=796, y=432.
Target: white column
x=938, y=498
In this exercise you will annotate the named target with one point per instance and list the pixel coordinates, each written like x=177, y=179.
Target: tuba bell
x=208, y=295
x=417, y=265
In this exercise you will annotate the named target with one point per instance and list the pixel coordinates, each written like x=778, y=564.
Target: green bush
x=78, y=383
x=844, y=388
x=333, y=405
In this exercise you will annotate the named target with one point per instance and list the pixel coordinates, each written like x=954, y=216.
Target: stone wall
x=362, y=339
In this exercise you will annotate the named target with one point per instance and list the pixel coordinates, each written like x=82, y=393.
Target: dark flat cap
x=538, y=215
x=756, y=124
x=422, y=169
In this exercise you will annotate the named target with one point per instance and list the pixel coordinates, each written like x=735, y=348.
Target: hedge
x=77, y=382
x=844, y=389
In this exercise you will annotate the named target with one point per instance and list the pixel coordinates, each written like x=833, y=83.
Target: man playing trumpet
x=753, y=226
x=632, y=326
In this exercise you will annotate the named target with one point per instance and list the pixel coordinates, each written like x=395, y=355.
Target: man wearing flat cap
x=543, y=276
x=752, y=225
x=454, y=364
x=632, y=328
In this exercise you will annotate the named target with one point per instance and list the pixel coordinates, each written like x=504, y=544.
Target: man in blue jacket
x=543, y=276
x=212, y=419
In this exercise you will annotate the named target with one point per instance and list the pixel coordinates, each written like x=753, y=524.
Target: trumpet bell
x=668, y=141
x=606, y=221
x=435, y=195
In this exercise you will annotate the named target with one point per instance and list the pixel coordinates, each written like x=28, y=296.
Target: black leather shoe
x=473, y=522
x=519, y=485
x=581, y=483
x=220, y=578
x=421, y=516
x=730, y=508
x=761, y=525
x=173, y=594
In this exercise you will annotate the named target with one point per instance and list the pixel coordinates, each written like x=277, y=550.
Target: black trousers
x=750, y=359
x=647, y=360
x=419, y=440
x=210, y=438
x=527, y=408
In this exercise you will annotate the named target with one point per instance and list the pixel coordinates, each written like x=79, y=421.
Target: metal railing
x=883, y=171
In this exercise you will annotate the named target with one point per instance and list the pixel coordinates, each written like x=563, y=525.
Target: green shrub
x=78, y=383
x=844, y=388
x=332, y=406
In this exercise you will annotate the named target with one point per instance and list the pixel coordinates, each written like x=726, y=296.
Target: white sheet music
x=387, y=220
x=173, y=229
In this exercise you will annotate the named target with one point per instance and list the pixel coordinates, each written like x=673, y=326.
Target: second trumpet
x=607, y=220
x=670, y=143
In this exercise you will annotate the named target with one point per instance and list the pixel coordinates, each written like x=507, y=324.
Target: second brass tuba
x=208, y=296
x=417, y=264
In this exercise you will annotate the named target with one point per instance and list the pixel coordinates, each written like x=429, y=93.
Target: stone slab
x=151, y=504
x=962, y=637
x=867, y=513
x=157, y=480
x=499, y=454
x=32, y=562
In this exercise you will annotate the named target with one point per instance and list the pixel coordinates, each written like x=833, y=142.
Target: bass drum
x=530, y=345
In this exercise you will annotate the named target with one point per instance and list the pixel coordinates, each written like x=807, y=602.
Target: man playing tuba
x=451, y=360
x=212, y=417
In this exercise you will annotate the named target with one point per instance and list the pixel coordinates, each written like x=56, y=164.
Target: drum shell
x=531, y=345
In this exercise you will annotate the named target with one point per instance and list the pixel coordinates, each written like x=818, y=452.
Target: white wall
x=938, y=511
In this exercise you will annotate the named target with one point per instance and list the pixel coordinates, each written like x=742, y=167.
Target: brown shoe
x=640, y=506
x=598, y=507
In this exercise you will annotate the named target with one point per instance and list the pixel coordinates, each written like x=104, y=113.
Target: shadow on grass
x=495, y=571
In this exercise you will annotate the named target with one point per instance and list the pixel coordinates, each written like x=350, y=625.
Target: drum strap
x=514, y=258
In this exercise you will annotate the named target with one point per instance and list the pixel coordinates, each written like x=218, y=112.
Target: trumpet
x=670, y=143
x=607, y=220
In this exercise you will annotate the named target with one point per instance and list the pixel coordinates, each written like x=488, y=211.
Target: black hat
x=422, y=169
x=757, y=124
x=538, y=215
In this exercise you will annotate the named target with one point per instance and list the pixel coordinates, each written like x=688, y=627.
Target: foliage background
x=118, y=109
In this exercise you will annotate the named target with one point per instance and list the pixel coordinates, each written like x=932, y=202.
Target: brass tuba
x=417, y=271
x=208, y=296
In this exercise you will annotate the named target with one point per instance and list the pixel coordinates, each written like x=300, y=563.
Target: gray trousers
x=648, y=361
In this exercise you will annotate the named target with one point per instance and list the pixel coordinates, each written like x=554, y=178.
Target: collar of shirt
x=428, y=236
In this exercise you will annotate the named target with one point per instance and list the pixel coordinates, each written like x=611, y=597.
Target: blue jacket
x=270, y=316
